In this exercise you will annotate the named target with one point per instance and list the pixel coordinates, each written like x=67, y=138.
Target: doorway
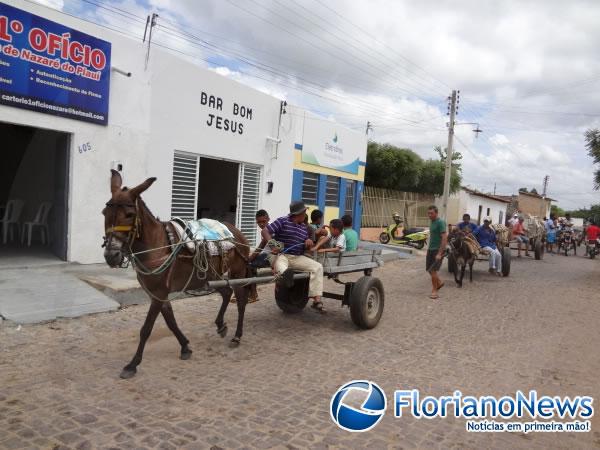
x=34, y=190
x=217, y=190
x=227, y=191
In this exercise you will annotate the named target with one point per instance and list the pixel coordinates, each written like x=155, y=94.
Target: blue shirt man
x=486, y=236
x=466, y=225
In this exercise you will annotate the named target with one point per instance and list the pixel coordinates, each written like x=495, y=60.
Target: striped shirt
x=292, y=235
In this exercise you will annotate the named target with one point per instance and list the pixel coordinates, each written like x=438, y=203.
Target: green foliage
x=523, y=189
x=592, y=139
x=558, y=212
x=402, y=169
x=585, y=213
x=534, y=191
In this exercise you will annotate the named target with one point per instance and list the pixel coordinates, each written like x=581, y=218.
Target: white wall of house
x=463, y=202
x=152, y=114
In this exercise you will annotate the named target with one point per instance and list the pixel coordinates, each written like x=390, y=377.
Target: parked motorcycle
x=413, y=237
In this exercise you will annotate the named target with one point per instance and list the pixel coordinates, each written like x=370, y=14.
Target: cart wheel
x=539, y=249
x=366, y=302
x=506, y=257
x=574, y=248
x=384, y=238
x=451, y=263
x=292, y=300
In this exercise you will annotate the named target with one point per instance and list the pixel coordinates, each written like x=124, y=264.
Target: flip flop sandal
x=319, y=307
x=440, y=286
x=252, y=300
x=233, y=299
x=434, y=297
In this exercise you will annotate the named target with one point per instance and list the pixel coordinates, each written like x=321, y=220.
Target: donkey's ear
x=142, y=187
x=115, y=181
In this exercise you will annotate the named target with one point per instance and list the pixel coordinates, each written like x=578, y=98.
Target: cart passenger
x=291, y=231
x=466, y=225
x=486, y=237
x=337, y=241
x=351, y=235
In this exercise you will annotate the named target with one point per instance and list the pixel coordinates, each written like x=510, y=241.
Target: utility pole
x=369, y=128
x=494, y=188
x=150, y=24
x=546, y=178
x=452, y=112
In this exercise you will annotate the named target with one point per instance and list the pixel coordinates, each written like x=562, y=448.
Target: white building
x=477, y=204
x=218, y=148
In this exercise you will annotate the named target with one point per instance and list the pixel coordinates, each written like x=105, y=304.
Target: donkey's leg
x=241, y=294
x=471, y=271
x=221, y=325
x=130, y=369
x=169, y=316
x=462, y=274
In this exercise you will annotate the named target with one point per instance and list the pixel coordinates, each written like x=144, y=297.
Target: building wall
x=297, y=124
x=463, y=202
x=534, y=206
x=156, y=112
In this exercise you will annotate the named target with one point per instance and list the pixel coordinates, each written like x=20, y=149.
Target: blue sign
x=50, y=68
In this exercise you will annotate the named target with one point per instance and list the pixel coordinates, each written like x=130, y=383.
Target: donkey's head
x=121, y=219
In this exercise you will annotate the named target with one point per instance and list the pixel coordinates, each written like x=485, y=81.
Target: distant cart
x=365, y=297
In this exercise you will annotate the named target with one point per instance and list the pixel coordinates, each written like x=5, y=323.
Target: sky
x=528, y=72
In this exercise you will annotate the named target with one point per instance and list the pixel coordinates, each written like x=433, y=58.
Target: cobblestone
x=537, y=329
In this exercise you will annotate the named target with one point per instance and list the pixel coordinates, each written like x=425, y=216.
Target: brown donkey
x=132, y=229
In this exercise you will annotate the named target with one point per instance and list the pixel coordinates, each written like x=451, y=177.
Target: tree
x=443, y=154
x=392, y=167
x=558, y=212
x=592, y=138
x=402, y=169
x=533, y=191
x=523, y=189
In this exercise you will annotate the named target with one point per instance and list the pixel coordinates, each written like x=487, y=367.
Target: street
x=537, y=329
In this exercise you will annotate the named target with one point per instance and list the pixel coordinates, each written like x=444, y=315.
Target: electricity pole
x=448, y=173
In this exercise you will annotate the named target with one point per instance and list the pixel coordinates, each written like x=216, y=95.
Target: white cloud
x=521, y=68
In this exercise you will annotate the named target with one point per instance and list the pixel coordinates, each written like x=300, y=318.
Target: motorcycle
x=592, y=248
x=566, y=241
x=413, y=237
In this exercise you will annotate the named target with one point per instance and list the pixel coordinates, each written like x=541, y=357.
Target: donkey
x=131, y=228
x=462, y=255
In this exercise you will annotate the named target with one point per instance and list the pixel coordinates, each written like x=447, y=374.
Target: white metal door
x=184, y=193
x=248, y=199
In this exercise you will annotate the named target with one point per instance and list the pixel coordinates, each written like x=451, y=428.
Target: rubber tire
x=420, y=244
x=506, y=258
x=574, y=249
x=451, y=263
x=592, y=254
x=539, y=250
x=292, y=300
x=359, y=305
x=384, y=238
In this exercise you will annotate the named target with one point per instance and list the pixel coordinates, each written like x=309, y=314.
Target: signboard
x=50, y=68
x=328, y=144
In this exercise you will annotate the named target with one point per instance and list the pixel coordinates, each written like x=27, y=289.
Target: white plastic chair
x=10, y=220
x=41, y=221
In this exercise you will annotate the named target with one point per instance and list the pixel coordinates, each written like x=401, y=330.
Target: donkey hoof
x=186, y=353
x=222, y=331
x=235, y=342
x=128, y=372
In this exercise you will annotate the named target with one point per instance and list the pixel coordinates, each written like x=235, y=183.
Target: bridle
x=133, y=231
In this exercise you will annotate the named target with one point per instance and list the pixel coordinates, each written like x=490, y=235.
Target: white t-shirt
x=339, y=242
